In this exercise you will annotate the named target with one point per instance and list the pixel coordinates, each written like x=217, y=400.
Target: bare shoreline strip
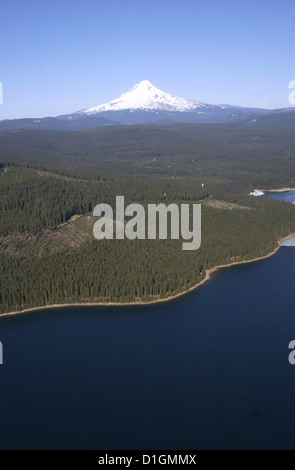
x=280, y=190
x=209, y=273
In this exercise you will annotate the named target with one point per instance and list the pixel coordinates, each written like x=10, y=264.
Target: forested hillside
x=51, y=181
x=234, y=156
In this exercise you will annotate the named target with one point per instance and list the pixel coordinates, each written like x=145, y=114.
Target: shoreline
x=208, y=275
x=280, y=190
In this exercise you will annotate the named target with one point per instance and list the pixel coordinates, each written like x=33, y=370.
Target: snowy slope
x=145, y=96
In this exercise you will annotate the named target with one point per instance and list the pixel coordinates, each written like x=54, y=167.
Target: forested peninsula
x=50, y=181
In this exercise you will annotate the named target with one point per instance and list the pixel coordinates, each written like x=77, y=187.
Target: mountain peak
x=145, y=96
x=144, y=83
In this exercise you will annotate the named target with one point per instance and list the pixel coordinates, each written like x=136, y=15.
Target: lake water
x=287, y=196
x=209, y=370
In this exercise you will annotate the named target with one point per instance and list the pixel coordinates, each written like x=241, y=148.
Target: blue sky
x=61, y=56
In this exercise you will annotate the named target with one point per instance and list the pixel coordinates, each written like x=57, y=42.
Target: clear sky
x=60, y=56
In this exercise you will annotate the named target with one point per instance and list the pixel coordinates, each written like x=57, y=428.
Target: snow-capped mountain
x=145, y=96
x=143, y=104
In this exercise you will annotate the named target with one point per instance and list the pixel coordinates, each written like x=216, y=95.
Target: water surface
x=208, y=370
x=287, y=196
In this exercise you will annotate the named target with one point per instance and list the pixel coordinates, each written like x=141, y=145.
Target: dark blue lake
x=287, y=196
x=209, y=370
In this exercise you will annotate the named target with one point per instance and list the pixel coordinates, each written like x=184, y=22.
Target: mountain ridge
x=142, y=104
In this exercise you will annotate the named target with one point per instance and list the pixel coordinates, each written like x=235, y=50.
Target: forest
x=50, y=181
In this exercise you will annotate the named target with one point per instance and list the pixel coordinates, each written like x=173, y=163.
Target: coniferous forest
x=50, y=181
